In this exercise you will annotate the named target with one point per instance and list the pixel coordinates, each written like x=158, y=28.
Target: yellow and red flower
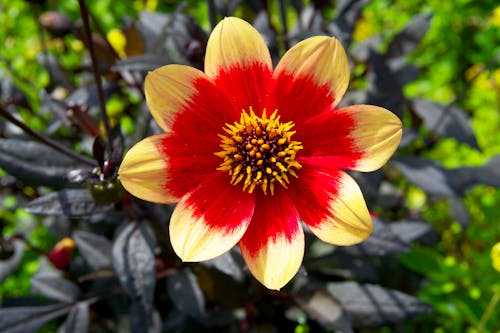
x=250, y=152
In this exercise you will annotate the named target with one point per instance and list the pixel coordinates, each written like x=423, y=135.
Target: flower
x=495, y=256
x=250, y=152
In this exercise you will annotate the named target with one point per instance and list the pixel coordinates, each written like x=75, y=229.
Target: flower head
x=250, y=152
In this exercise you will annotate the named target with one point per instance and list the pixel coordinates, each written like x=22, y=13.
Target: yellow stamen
x=259, y=151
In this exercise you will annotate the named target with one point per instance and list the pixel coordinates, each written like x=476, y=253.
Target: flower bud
x=60, y=256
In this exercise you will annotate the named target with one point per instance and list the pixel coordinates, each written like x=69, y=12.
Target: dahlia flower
x=250, y=154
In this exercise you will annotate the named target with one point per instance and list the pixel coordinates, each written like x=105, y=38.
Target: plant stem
x=97, y=75
x=489, y=310
x=49, y=142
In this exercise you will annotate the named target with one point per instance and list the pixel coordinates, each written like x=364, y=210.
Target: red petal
x=174, y=90
x=327, y=141
x=358, y=137
x=310, y=77
x=190, y=147
x=211, y=219
x=246, y=85
x=332, y=206
x=238, y=60
x=273, y=245
x=297, y=98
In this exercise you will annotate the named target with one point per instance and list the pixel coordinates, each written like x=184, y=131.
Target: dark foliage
x=124, y=266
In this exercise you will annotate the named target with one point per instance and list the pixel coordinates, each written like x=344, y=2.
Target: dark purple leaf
x=134, y=263
x=229, y=263
x=10, y=93
x=382, y=242
x=141, y=63
x=409, y=38
x=78, y=319
x=372, y=305
x=404, y=72
x=55, y=107
x=72, y=203
x=362, y=51
x=88, y=95
x=431, y=177
x=142, y=321
x=96, y=249
x=409, y=135
x=445, y=121
x=9, y=265
x=322, y=307
x=30, y=318
x=34, y=163
x=186, y=294
x=227, y=7
x=410, y=231
x=55, y=288
x=385, y=88
x=348, y=14
x=489, y=173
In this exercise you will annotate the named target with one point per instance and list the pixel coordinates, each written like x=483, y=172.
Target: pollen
x=259, y=152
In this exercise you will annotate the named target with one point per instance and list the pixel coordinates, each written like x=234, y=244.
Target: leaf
x=431, y=177
x=56, y=288
x=445, y=121
x=409, y=38
x=385, y=88
x=228, y=263
x=322, y=307
x=422, y=260
x=410, y=231
x=382, y=242
x=88, y=95
x=10, y=265
x=489, y=173
x=372, y=305
x=186, y=294
x=70, y=202
x=348, y=14
x=94, y=248
x=55, y=107
x=142, y=321
x=27, y=319
x=134, y=263
x=142, y=63
x=34, y=164
x=78, y=319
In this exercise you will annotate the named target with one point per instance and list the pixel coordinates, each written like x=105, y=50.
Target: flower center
x=259, y=151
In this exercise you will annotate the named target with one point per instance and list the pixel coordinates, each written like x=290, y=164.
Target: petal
x=143, y=172
x=311, y=77
x=358, y=137
x=162, y=168
x=238, y=60
x=173, y=90
x=211, y=219
x=273, y=245
x=332, y=206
